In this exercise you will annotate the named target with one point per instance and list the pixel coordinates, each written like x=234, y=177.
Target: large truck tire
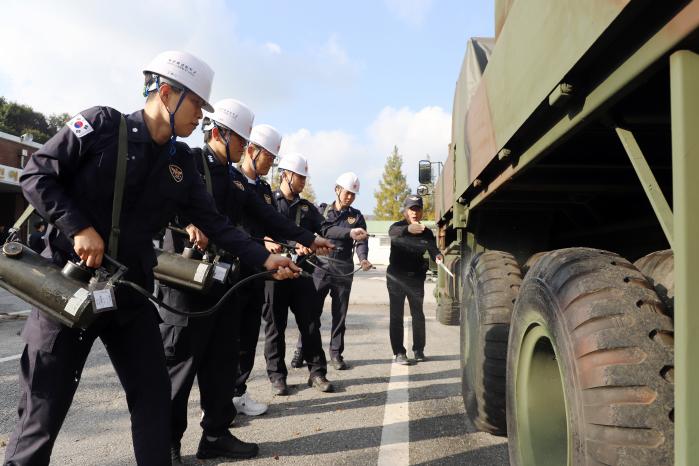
x=491, y=283
x=448, y=310
x=590, y=365
x=659, y=269
x=448, y=313
x=533, y=259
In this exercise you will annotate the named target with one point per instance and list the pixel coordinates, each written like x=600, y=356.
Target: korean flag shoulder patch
x=79, y=125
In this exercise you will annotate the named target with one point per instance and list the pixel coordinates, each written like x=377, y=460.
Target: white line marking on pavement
x=19, y=313
x=395, y=435
x=11, y=358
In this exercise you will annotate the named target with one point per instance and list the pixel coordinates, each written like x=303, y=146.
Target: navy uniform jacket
x=301, y=209
x=336, y=227
x=407, y=249
x=252, y=223
x=70, y=181
x=240, y=201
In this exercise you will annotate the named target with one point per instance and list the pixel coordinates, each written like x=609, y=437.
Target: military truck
x=568, y=213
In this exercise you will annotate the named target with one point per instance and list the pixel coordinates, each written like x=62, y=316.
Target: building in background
x=14, y=153
x=380, y=243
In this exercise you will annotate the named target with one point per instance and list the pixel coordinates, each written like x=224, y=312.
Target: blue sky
x=344, y=82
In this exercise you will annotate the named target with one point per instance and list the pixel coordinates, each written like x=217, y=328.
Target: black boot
x=175, y=455
x=297, y=360
x=226, y=446
x=320, y=383
x=339, y=363
x=280, y=388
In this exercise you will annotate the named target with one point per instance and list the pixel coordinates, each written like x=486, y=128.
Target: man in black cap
x=405, y=277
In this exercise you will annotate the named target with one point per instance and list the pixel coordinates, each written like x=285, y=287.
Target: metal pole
x=684, y=96
x=650, y=185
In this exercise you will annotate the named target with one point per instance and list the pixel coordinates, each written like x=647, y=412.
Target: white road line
x=19, y=313
x=10, y=358
x=395, y=435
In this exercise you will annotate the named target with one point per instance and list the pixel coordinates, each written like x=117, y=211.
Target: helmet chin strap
x=173, y=136
x=254, y=163
x=227, y=140
x=288, y=183
x=337, y=194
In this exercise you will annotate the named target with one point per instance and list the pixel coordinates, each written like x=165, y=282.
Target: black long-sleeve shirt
x=407, y=249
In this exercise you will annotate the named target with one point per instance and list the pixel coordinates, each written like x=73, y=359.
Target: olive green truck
x=568, y=213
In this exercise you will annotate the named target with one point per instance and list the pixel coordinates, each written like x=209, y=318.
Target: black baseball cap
x=412, y=200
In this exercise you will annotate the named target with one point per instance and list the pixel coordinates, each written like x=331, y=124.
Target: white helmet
x=349, y=181
x=184, y=69
x=267, y=137
x=234, y=115
x=296, y=163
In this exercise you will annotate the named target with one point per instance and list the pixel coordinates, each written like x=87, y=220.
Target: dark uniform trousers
x=339, y=289
x=298, y=295
x=248, y=320
x=70, y=180
x=401, y=285
x=50, y=370
x=201, y=347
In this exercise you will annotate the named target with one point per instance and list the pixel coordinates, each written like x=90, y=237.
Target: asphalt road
x=305, y=428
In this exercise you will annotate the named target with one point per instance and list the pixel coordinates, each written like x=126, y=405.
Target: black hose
x=317, y=266
x=332, y=274
x=213, y=309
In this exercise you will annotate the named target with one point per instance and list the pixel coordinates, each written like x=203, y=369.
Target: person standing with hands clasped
x=405, y=277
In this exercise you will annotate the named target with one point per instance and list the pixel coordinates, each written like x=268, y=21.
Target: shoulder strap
x=298, y=215
x=120, y=177
x=207, y=174
x=23, y=218
x=327, y=209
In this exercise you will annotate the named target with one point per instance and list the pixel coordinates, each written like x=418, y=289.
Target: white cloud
x=273, y=48
x=413, y=12
x=334, y=51
x=416, y=134
x=73, y=56
x=329, y=153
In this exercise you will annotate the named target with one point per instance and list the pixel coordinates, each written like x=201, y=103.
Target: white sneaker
x=246, y=405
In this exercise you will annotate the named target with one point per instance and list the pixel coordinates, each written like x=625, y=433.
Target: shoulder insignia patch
x=239, y=185
x=79, y=126
x=268, y=198
x=351, y=220
x=176, y=173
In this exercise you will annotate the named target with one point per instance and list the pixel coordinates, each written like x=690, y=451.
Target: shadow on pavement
x=492, y=455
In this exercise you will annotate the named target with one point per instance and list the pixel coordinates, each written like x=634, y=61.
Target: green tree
x=56, y=122
x=19, y=119
x=393, y=188
x=308, y=191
